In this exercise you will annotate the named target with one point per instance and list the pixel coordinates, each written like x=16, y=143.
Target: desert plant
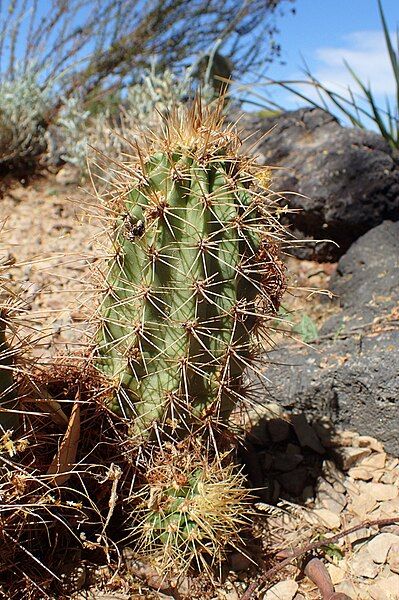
x=159, y=91
x=195, y=272
x=72, y=125
x=23, y=107
x=95, y=43
x=190, y=508
x=156, y=93
x=194, y=275
x=94, y=47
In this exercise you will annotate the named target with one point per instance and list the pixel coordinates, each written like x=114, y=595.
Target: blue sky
x=325, y=32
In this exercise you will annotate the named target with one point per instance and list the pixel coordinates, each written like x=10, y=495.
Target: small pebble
x=283, y=590
x=380, y=545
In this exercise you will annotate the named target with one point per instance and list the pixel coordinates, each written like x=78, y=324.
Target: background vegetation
x=64, y=62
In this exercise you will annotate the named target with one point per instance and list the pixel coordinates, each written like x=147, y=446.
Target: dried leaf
x=64, y=460
x=54, y=409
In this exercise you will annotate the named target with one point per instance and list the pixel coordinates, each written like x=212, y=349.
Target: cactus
x=193, y=279
x=194, y=274
x=190, y=507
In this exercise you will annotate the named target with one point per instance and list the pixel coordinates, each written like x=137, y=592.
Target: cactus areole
x=195, y=273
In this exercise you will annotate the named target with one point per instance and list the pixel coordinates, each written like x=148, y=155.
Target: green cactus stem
x=190, y=509
x=194, y=275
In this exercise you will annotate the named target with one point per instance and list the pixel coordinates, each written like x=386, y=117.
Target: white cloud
x=366, y=53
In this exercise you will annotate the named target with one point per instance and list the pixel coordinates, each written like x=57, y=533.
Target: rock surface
x=351, y=374
x=329, y=500
x=346, y=181
x=283, y=590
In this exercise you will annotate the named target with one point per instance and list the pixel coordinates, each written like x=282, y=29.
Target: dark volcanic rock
x=367, y=280
x=348, y=179
x=352, y=373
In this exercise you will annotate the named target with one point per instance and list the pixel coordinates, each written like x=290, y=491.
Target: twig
x=314, y=546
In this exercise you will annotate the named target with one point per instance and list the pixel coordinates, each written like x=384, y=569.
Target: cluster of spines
x=190, y=509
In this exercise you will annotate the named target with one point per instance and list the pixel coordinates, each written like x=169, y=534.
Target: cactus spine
x=9, y=420
x=195, y=273
x=6, y=380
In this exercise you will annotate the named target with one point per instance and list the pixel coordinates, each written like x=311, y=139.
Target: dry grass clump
x=57, y=479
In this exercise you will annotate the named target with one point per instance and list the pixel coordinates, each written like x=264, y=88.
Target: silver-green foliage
x=24, y=104
x=156, y=93
x=73, y=124
x=161, y=91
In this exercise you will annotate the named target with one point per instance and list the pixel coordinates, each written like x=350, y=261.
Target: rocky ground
x=324, y=482
x=317, y=481
x=49, y=242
